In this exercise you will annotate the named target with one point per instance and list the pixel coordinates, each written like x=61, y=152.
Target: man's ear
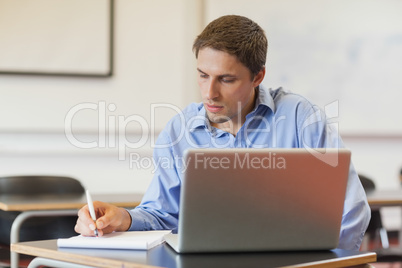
x=259, y=77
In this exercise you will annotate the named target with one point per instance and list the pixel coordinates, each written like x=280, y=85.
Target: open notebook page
x=118, y=240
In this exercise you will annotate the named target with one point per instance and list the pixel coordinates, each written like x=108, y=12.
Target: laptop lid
x=261, y=200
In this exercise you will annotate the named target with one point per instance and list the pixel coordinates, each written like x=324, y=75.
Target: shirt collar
x=200, y=121
x=264, y=98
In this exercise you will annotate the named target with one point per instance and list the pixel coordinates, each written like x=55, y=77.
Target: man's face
x=227, y=88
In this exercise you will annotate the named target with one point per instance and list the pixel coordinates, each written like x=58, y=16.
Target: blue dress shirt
x=280, y=119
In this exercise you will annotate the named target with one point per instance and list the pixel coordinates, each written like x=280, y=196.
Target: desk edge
x=72, y=257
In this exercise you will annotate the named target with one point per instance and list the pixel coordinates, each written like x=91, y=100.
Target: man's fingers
x=84, y=216
x=109, y=219
x=85, y=225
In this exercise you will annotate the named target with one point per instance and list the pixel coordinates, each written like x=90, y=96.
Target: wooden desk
x=382, y=198
x=164, y=256
x=65, y=201
x=54, y=205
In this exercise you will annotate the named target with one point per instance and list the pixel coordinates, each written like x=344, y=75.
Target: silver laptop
x=261, y=200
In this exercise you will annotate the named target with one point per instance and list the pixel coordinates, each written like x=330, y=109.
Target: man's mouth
x=213, y=108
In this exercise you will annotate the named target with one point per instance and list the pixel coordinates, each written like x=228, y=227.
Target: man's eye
x=203, y=75
x=227, y=80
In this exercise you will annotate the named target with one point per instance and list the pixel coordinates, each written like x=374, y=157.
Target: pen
x=92, y=211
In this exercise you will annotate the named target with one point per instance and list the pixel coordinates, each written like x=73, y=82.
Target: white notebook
x=142, y=240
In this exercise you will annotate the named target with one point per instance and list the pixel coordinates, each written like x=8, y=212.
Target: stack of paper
x=118, y=240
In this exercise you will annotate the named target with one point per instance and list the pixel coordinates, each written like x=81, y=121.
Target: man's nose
x=212, y=89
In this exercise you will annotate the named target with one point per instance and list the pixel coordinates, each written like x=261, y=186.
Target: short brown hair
x=238, y=36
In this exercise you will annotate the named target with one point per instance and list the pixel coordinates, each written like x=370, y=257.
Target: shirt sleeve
x=159, y=208
x=318, y=132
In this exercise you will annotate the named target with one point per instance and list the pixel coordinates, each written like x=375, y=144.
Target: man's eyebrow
x=198, y=69
x=227, y=75
x=222, y=75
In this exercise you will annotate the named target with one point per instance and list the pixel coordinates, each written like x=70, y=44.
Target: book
x=141, y=240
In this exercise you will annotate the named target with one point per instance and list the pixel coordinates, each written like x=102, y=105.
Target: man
x=236, y=111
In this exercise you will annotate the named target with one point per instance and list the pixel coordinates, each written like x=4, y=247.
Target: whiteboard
x=346, y=53
x=64, y=37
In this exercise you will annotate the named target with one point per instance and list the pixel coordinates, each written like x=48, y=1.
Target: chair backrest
x=368, y=184
x=38, y=185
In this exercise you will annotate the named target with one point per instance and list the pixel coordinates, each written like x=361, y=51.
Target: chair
x=38, y=228
x=400, y=176
x=375, y=227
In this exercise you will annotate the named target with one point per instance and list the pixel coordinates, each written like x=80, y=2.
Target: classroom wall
x=333, y=51
x=151, y=54
x=339, y=54
x=154, y=64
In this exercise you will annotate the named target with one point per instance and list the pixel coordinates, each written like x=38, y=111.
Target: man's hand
x=109, y=218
